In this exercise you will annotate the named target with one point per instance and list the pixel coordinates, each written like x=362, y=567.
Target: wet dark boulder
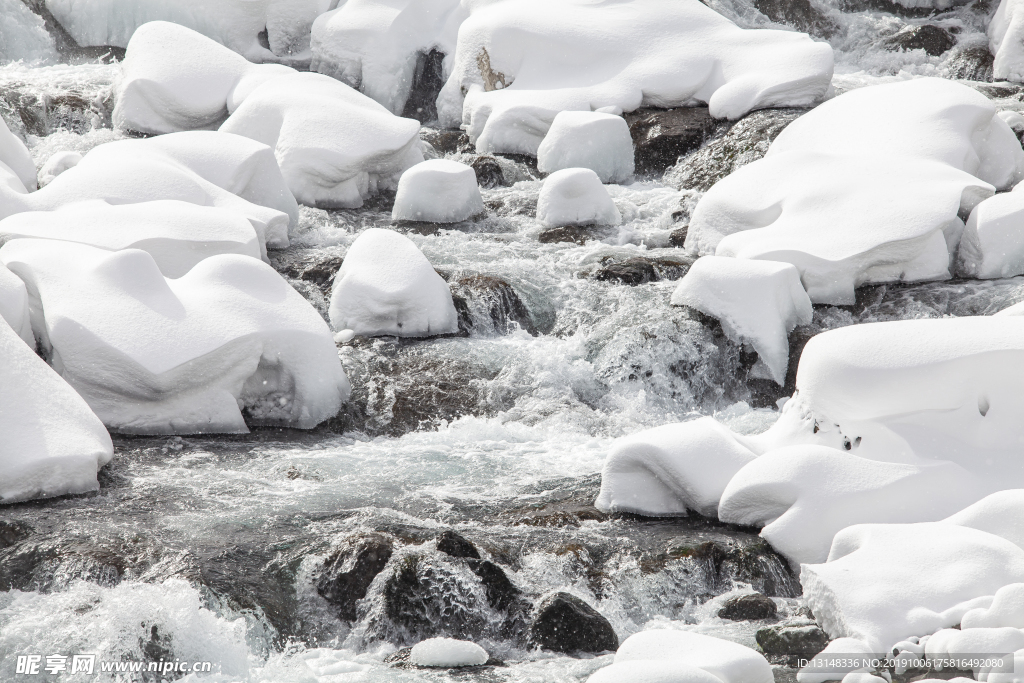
x=641, y=270
x=678, y=237
x=488, y=172
x=661, y=136
x=579, y=234
x=564, y=623
x=488, y=304
x=446, y=141
x=971, y=63
x=348, y=573
x=803, y=15
x=784, y=643
x=427, y=81
x=315, y=266
x=934, y=40
x=455, y=545
x=751, y=607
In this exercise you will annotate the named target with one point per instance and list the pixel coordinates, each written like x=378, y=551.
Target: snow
x=757, y=302
x=23, y=35
x=15, y=161
x=588, y=139
x=671, y=469
x=386, y=286
x=1006, y=41
x=992, y=245
x=865, y=188
x=447, y=653
x=438, y=191
x=157, y=356
x=819, y=671
x=176, y=234
x=52, y=442
x=727, y=661
x=575, y=196
x=1006, y=610
x=375, y=45
x=652, y=672
x=57, y=164
x=14, y=306
x=520, y=62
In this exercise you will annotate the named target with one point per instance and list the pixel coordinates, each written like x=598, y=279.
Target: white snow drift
x=520, y=62
x=52, y=442
x=159, y=356
x=386, y=286
x=757, y=302
x=588, y=139
x=447, y=653
x=14, y=305
x=575, y=196
x=993, y=241
x=178, y=235
x=438, y=191
x=864, y=188
x=17, y=170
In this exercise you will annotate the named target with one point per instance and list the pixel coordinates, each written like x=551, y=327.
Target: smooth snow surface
x=376, y=45
x=1006, y=610
x=17, y=170
x=14, y=306
x=993, y=241
x=178, y=235
x=386, y=286
x=727, y=661
x=575, y=196
x=652, y=672
x=864, y=188
x=1006, y=41
x=447, y=653
x=158, y=356
x=671, y=469
x=757, y=302
x=52, y=442
x=520, y=62
x=57, y=164
x=588, y=139
x=438, y=191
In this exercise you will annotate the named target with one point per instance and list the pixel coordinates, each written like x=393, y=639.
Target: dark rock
x=748, y=607
x=428, y=79
x=746, y=141
x=564, y=623
x=719, y=567
x=67, y=46
x=661, y=136
x=639, y=270
x=316, y=266
x=934, y=40
x=892, y=7
x=489, y=304
x=803, y=15
x=678, y=237
x=971, y=64
x=788, y=640
x=454, y=545
x=12, y=533
x=502, y=594
x=488, y=172
x=447, y=141
x=348, y=573
x=580, y=234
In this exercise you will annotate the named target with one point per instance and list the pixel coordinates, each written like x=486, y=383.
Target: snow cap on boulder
x=438, y=191
x=575, y=196
x=588, y=139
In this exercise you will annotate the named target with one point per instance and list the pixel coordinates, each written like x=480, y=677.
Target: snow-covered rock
x=520, y=62
x=438, y=191
x=447, y=653
x=588, y=139
x=178, y=235
x=757, y=302
x=386, y=286
x=671, y=469
x=727, y=661
x=1006, y=610
x=575, y=196
x=14, y=306
x=52, y=442
x=993, y=241
x=865, y=188
x=951, y=643
x=57, y=164
x=158, y=356
x=1006, y=41
x=376, y=45
x=17, y=170
x=651, y=672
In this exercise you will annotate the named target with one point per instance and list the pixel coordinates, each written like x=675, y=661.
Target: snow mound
x=52, y=442
x=1006, y=41
x=378, y=46
x=727, y=661
x=575, y=196
x=386, y=286
x=865, y=188
x=236, y=24
x=671, y=469
x=17, y=170
x=203, y=168
x=520, y=62
x=651, y=672
x=57, y=164
x=993, y=243
x=447, y=653
x=588, y=139
x=157, y=356
x=757, y=302
x=176, y=234
x=949, y=643
x=14, y=306
x=438, y=191
x=23, y=35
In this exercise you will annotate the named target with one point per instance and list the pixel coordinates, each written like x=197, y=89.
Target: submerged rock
x=748, y=607
x=934, y=40
x=564, y=623
x=488, y=304
x=661, y=136
x=455, y=545
x=348, y=573
x=641, y=270
x=973, y=63
x=578, y=234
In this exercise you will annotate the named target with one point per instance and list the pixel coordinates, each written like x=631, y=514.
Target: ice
x=158, y=356
x=17, y=170
x=757, y=302
x=727, y=661
x=52, y=442
x=14, y=306
x=992, y=245
x=865, y=188
x=386, y=286
x=178, y=235
x=376, y=46
x=538, y=58
x=588, y=139
x=447, y=653
x=438, y=191
x=575, y=196
x=1007, y=609
x=23, y=35
x=671, y=469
